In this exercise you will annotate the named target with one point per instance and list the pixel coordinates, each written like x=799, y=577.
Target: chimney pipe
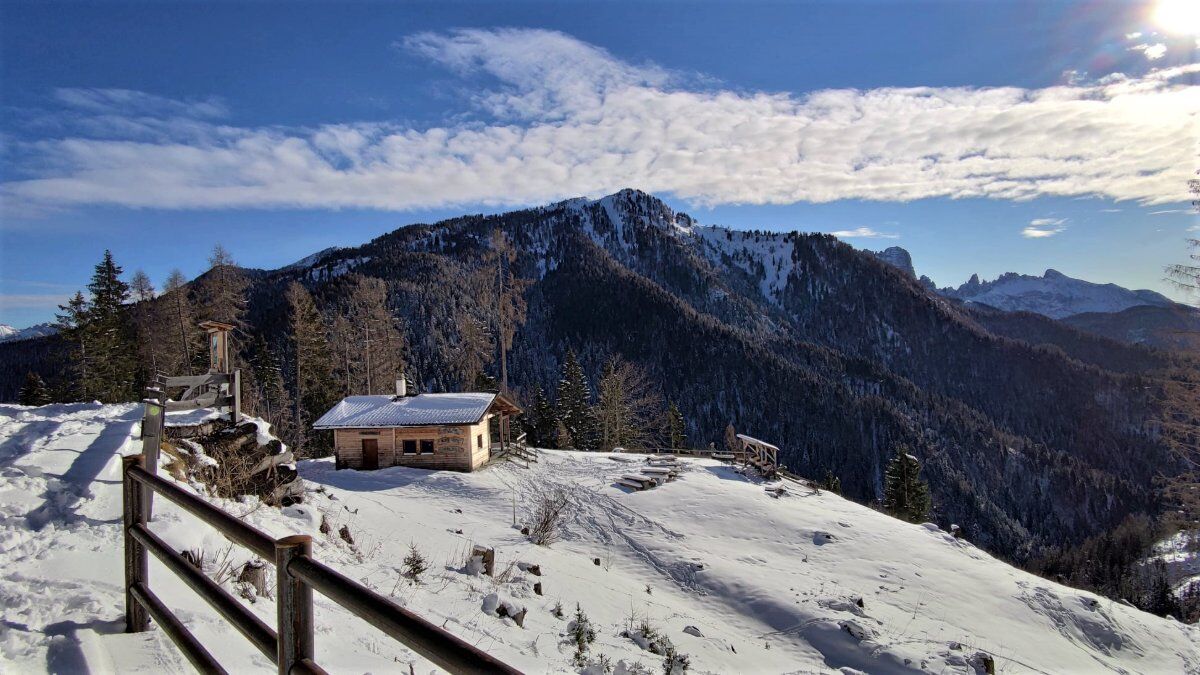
x=402, y=386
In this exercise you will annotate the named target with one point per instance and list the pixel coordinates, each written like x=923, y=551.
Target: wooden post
x=136, y=562
x=153, y=422
x=295, y=604
x=235, y=390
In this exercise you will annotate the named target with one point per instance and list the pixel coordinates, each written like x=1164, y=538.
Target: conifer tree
x=182, y=319
x=141, y=287
x=108, y=332
x=370, y=345
x=627, y=405
x=472, y=352
x=266, y=394
x=503, y=296
x=544, y=421
x=484, y=382
x=34, y=391
x=905, y=495
x=315, y=390
x=71, y=324
x=676, y=428
x=574, y=407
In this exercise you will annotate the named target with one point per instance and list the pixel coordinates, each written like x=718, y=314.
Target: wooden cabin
x=431, y=431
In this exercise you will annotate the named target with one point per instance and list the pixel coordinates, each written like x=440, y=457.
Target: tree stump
x=254, y=573
x=489, y=559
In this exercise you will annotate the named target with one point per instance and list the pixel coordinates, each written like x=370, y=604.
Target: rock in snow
x=932, y=602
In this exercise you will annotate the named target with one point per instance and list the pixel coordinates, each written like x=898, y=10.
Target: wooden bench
x=647, y=481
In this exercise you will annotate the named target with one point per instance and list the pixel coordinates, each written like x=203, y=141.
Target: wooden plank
x=196, y=404
x=197, y=380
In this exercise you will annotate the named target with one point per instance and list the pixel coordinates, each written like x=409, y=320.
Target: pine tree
x=484, y=382
x=71, y=324
x=543, y=420
x=676, y=428
x=315, y=389
x=574, y=407
x=266, y=394
x=34, y=392
x=905, y=495
x=110, y=337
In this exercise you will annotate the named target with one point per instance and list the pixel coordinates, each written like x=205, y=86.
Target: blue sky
x=984, y=137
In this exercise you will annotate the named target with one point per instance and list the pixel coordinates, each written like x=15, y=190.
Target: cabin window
x=426, y=446
x=410, y=446
x=479, y=441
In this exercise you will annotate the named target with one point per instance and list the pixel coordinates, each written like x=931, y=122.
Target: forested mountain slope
x=831, y=353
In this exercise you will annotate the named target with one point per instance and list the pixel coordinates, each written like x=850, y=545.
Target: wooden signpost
x=220, y=387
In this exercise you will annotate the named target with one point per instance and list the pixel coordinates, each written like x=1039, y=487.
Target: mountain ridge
x=832, y=353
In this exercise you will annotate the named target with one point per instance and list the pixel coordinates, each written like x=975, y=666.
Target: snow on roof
x=410, y=411
x=754, y=441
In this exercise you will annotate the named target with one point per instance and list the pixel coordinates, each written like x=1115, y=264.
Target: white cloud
x=1152, y=52
x=1040, y=228
x=130, y=102
x=863, y=233
x=562, y=118
x=1166, y=211
x=32, y=300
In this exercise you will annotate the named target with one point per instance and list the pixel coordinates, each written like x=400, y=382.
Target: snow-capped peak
x=1053, y=294
x=10, y=334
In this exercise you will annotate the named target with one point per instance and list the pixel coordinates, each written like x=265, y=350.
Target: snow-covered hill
x=739, y=579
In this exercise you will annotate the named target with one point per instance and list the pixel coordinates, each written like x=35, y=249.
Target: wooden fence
x=290, y=644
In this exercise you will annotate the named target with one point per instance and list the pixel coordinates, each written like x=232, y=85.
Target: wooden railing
x=290, y=644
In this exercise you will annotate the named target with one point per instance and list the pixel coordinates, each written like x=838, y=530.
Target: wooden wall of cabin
x=347, y=443
x=457, y=447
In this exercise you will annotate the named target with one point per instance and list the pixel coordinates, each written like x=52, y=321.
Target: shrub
x=547, y=517
x=415, y=564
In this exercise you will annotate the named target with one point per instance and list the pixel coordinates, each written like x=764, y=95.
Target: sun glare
x=1178, y=16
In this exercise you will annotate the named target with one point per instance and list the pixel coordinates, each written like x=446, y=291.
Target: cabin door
x=370, y=449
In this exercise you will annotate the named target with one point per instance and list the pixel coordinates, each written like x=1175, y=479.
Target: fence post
x=153, y=423
x=136, y=563
x=294, y=602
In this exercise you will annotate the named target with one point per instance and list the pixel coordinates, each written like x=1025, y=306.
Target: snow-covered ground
x=801, y=582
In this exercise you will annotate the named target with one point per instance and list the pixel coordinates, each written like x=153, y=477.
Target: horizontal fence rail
x=290, y=645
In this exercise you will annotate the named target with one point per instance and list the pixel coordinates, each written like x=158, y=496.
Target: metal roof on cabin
x=361, y=412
